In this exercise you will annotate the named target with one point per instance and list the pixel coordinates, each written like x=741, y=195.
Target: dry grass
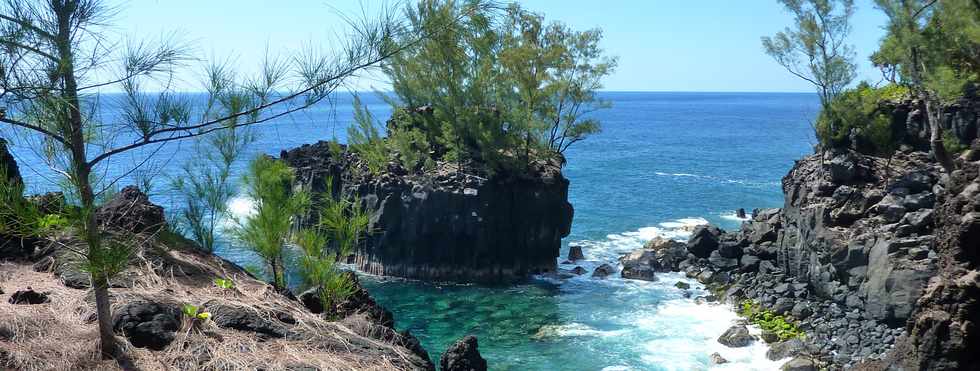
x=62, y=334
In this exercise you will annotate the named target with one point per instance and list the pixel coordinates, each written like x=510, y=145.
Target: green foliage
x=784, y=328
x=814, y=47
x=108, y=260
x=859, y=111
x=499, y=87
x=270, y=184
x=339, y=227
x=205, y=183
x=194, y=313
x=931, y=46
x=953, y=144
x=365, y=139
x=224, y=283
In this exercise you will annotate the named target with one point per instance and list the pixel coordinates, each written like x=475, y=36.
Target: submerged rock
x=603, y=271
x=463, y=355
x=717, y=359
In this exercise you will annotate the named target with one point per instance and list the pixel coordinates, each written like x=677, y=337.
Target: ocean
x=663, y=163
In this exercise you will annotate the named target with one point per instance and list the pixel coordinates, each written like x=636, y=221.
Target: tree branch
x=35, y=128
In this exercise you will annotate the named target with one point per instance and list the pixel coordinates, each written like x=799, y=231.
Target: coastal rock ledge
x=444, y=224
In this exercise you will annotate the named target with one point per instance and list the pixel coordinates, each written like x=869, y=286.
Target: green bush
x=953, y=144
x=860, y=111
x=784, y=328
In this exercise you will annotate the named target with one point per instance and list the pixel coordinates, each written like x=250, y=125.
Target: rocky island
x=445, y=225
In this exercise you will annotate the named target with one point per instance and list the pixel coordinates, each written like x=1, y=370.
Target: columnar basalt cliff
x=445, y=225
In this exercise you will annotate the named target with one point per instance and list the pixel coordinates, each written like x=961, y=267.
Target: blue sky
x=694, y=45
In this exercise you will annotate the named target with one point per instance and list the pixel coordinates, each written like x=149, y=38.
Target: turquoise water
x=663, y=163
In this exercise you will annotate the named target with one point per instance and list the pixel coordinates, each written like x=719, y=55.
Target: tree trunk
x=934, y=115
x=101, y=287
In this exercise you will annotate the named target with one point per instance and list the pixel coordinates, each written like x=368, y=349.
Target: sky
x=693, y=45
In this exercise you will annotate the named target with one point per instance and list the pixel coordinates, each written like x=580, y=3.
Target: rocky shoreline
x=851, y=259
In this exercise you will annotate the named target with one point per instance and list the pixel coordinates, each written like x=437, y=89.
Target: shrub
x=784, y=328
x=859, y=111
x=953, y=144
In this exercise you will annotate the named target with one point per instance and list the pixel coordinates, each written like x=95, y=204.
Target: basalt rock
x=448, y=225
x=463, y=355
x=603, y=271
x=28, y=296
x=943, y=331
x=736, y=337
x=147, y=324
x=575, y=253
x=131, y=211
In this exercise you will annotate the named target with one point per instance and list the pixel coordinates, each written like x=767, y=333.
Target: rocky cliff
x=446, y=225
x=866, y=253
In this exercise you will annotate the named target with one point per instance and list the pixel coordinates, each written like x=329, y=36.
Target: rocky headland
x=873, y=259
x=447, y=224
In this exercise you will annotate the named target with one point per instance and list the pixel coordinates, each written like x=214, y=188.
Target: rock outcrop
x=850, y=256
x=445, y=225
x=463, y=355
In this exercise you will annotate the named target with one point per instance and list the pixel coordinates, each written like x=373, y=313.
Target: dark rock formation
x=800, y=364
x=578, y=271
x=603, y=271
x=463, y=355
x=446, y=225
x=704, y=240
x=245, y=319
x=640, y=265
x=147, y=324
x=575, y=253
x=848, y=258
x=942, y=330
x=785, y=349
x=130, y=210
x=736, y=337
x=28, y=296
x=8, y=165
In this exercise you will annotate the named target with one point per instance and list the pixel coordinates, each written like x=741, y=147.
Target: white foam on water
x=677, y=333
x=731, y=215
x=574, y=329
x=688, y=334
x=239, y=207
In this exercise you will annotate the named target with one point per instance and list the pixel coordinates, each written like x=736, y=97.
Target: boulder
x=130, y=210
x=703, y=241
x=736, y=337
x=603, y=271
x=578, y=270
x=640, y=264
x=682, y=285
x=463, y=355
x=311, y=300
x=785, y=349
x=841, y=168
x=28, y=296
x=799, y=364
x=147, y=324
x=721, y=262
x=919, y=220
x=740, y=213
x=717, y=359
x=245, y=319
x=575, y=253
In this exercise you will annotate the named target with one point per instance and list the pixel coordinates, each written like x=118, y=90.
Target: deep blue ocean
x=663, y=163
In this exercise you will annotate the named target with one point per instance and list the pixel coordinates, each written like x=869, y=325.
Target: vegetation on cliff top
x=931, y=53
x=500, y=87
